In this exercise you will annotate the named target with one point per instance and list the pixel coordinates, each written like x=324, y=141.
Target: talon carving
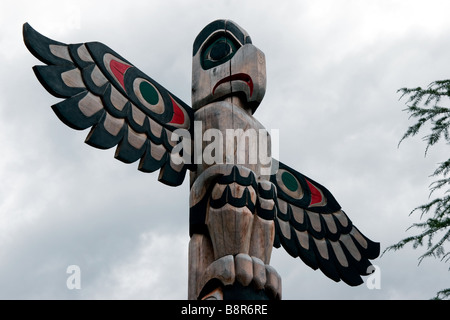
x=240, y=270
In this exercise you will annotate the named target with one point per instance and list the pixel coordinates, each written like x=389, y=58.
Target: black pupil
x=220, y=50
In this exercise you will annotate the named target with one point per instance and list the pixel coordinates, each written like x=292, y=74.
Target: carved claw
x=239, y=270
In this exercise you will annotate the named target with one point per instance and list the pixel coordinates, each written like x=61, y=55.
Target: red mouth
x=239, y=76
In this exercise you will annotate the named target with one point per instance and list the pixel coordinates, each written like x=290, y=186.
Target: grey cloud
x=63, y=202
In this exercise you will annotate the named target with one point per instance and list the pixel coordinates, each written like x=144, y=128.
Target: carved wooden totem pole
x=239, y=207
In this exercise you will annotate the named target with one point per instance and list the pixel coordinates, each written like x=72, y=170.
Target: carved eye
x=219, y=51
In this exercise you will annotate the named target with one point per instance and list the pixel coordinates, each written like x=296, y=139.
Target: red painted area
x=239, y=76
x=178, y=115
x=119, y=69
x=316, y=195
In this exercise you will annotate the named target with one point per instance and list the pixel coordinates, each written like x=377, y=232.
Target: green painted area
x=218, y=52
x=289, y=181
x=149, y=93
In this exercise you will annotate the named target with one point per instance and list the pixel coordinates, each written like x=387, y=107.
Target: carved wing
x=310, y=224
x=122, y=106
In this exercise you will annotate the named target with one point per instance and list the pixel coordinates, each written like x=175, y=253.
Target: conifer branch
x=423, y=105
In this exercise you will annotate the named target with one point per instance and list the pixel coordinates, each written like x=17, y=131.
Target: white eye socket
x=218, y=52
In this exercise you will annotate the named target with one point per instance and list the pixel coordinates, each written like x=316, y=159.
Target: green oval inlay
x=289, y=181
x=149, y=93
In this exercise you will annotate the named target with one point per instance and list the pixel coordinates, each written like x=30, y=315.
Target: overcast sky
x=333, y=69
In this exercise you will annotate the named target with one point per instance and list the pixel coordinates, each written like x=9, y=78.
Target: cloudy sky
x=333, y=69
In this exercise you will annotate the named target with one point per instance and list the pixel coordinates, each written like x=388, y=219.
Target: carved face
x=225, y=63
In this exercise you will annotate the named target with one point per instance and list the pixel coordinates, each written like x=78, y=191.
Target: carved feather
x=122, y=106
x=310, y=224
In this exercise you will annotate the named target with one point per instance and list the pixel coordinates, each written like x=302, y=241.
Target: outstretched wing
x=124, y=107
x=310, y=224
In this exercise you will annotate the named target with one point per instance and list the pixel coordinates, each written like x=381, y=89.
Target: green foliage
x=424, y=106
x=430, y=112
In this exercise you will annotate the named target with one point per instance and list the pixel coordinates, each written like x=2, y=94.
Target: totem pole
x=241, y=205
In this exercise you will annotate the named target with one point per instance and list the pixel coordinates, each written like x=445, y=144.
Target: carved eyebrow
x=206, y=32
x=231, y=27
x=221, y=34
x=219, y=25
